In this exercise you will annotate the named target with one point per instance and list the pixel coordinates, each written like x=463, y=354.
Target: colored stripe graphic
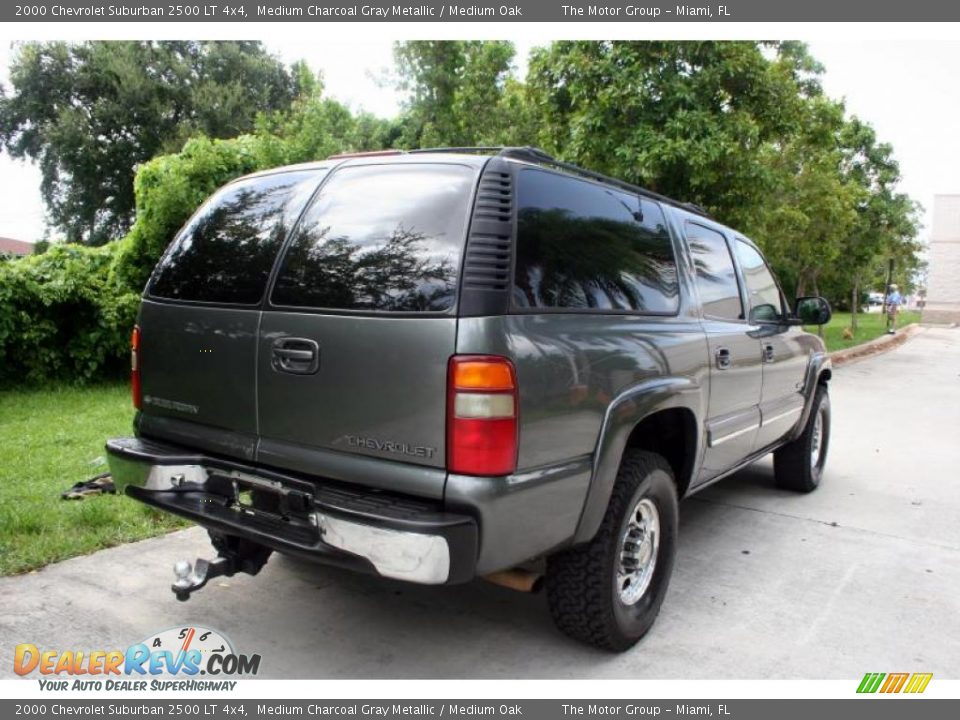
x=894, y=682
x=870, y=682
x=918, y=682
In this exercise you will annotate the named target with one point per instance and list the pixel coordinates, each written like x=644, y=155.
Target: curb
x=875, y=346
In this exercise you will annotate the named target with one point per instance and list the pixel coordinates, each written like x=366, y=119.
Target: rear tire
x=608, y=592
x=798, y=466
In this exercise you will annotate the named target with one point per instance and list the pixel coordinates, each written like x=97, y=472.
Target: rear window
x=380, y=238
x=581, y=245
x=226, y=251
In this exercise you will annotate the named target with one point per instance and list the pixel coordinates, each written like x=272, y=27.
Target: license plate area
x=256, y=496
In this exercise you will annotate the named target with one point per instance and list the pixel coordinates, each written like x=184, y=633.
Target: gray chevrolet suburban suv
x=468, y=362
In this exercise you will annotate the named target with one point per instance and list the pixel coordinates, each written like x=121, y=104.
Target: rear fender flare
x=623, y=414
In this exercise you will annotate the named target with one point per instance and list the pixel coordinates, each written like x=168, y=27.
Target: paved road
x=863, y=574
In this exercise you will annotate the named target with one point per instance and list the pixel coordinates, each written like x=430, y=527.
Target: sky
x=906, y=89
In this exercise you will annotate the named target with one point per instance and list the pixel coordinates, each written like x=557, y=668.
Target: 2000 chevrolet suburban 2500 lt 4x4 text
x=441, y=365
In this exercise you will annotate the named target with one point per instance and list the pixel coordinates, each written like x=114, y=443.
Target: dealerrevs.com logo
x=173, y=659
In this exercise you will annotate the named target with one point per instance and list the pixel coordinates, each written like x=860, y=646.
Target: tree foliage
x=89, y=113
x=455, y=89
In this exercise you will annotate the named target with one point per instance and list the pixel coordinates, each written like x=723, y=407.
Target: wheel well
x=671, y=433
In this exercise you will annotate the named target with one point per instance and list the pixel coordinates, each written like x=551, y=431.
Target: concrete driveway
x=862, y=575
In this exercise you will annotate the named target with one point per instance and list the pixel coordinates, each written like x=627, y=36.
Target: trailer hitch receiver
x=236, y=556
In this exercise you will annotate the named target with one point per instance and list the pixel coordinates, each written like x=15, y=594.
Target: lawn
x=50, y=439
x=869, y=326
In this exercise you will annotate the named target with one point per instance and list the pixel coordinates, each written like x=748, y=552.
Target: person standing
x=893, y=303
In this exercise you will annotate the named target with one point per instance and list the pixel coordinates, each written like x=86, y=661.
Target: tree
x=455, y=90
x=89, y=113
x=887, y=221
x=809, y=205
x=688, y=119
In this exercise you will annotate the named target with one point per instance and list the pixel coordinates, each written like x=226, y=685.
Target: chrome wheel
x=816, y=440
x=638, y=552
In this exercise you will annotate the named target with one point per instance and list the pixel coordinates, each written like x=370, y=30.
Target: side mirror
x=765, y=314
x=813, y=311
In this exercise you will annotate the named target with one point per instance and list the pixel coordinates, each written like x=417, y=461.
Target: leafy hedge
x=61, y=317
x=66, y=315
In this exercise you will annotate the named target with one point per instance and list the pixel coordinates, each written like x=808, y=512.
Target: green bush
x=61, y=317
x=67, y=314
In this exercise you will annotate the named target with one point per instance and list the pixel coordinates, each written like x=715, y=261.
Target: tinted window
x=582, y=245
x=381, y=237
x=226, y=251
x=716, y=275
x=766, y=303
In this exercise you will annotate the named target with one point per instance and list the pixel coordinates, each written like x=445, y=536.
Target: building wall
x=943, y=291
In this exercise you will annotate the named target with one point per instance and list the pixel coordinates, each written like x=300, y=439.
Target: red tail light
x=481, y=415
x=135, y=367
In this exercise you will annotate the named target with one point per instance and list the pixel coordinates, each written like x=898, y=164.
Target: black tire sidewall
x=633, y=621
x=821, y=407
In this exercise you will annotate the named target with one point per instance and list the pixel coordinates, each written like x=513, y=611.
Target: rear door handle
x=723, y=358
x=768, y=353
x=297, y=356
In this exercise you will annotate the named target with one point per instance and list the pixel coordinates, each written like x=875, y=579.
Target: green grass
x=869, y=326
x=50, y=439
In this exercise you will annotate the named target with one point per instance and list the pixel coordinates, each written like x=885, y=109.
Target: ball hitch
x=235, y=556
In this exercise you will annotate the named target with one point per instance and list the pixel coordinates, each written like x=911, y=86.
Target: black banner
x=239, y=11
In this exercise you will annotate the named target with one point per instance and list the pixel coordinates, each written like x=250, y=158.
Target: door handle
x=297, y=356
x=723, y=358
x=768, y=353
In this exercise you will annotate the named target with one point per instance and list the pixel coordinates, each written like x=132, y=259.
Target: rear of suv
x=442, y=365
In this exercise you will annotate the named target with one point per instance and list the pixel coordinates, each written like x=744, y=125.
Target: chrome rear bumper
x=393, y=536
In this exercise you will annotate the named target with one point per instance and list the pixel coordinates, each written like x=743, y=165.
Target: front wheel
x=608, y=592
x=799, y=464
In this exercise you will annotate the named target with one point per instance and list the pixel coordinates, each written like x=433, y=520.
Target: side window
x=766, y=303
x=225, y=252
x=716, y=275
x=581, y=245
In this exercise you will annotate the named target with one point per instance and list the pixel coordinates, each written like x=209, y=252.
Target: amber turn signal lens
x=482, y=374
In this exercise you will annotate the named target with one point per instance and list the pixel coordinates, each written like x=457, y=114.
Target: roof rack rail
x=472, y=149
x=366, y=153
x=540, y=157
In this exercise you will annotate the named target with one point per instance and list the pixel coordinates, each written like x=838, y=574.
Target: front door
x=733, y=415
x=785, y=349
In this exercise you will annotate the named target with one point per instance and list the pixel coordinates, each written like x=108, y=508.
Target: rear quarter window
x=583, y=246
x=225, y=252
x=382, y=238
